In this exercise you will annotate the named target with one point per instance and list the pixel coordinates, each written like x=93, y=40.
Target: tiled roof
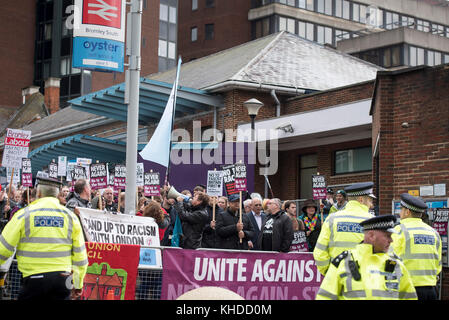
x=281, y=59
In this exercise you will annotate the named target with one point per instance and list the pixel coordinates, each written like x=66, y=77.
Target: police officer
x=50, y=246
x=419, y=247
x=367, y=272
x=341, y=230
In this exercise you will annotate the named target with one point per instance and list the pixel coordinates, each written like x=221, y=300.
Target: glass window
x=209, y=31
x=194, y=34
x=302, y=29
x=210, y=3
x=308, y=167
x=328, y=35
x=310, y=5
x=320, y=34
x=430, y=58
x=412, y=56
x=282, y=24
x=291, y=3
x=172, y=32
x=446, y=58
x=291, y=25
x=395, y=20
x=162, y=51
x=47, y=31
x=309, y=31
x=328, y=7
x=194, y=5
x=163, y=12
x=420, y=56
x=64, y=63
x=388, y=20
x=346, y=10
x=163, y=30
x=437, y=58
x=395, y=56
x=338, y=8
x=320, y=6
x=362, y=13
x=172, y=15
x=302, y=4
x=353, y=160
x=172, y=50
x=355, y=12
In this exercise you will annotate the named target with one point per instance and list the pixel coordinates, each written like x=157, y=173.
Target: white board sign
x=107, y=227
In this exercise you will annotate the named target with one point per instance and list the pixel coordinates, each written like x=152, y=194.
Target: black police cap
x=415, y=204
x=360, y=189
x=385, y=222
x=48, y=182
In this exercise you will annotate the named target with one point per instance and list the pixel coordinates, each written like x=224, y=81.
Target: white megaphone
x=173, y=194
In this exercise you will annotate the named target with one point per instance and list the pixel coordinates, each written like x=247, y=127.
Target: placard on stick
x=318, y=187
x=152, y=184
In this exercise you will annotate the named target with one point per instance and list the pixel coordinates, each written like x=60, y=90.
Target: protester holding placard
x=230, y=230
x=194, y=217
x=210, y=237
x=81, y=195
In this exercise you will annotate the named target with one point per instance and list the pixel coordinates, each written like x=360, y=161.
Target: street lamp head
x=253, y=106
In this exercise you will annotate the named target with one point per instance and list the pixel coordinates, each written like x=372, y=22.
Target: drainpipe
x=278, y=104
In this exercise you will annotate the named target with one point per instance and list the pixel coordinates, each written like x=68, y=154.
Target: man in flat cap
x=419, y=247
x=50, y=246
x=367, y=272
x=229, y=228
x=341, y=230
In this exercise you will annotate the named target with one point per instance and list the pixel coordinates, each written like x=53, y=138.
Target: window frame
x=334, y=164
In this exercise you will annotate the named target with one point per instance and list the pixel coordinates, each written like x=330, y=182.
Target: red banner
x=112, y=271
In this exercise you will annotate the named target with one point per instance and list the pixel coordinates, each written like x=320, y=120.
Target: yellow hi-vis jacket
x=419, y=247
x=341, y=231
x=48, y=238
x=360, y=274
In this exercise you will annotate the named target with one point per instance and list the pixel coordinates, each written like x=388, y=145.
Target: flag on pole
x=159, y=147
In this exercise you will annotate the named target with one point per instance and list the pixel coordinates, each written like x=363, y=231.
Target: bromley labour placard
x=17, y=144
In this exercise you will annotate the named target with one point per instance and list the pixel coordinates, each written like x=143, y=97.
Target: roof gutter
x=236, y=84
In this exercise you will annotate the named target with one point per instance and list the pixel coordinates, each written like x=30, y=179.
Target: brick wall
x=231, y=27
x=16, y=49
x=418, y=155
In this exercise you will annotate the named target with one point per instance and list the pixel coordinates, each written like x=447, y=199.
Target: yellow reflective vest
x=341, y=231
x=419, y=247
x=48, y=237
x=361, y=274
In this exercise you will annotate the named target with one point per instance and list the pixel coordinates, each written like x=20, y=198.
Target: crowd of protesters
x=196, y=220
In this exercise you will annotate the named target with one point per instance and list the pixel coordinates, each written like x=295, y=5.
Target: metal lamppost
x=253, y=106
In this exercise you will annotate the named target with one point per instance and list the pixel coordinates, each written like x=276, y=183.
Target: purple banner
x=252, y=275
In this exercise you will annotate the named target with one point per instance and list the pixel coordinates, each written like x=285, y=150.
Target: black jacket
x=209, y=234
x=282, y=235
x=74, y=200
x=193, y=220
x=228, y=237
